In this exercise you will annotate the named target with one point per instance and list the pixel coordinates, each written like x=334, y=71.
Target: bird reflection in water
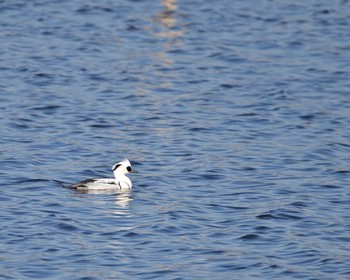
x=122, y=197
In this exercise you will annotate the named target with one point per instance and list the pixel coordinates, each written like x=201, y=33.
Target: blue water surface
x=235, y=113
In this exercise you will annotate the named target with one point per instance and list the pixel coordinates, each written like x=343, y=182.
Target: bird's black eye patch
x=116, y=166
x=129, y=169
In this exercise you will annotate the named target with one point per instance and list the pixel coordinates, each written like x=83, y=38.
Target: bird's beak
x=133, y=171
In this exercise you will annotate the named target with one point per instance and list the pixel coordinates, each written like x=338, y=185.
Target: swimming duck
x=120, y=181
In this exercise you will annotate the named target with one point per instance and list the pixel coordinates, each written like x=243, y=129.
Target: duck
x=120, y=180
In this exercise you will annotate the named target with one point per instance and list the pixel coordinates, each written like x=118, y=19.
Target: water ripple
x=236, y=116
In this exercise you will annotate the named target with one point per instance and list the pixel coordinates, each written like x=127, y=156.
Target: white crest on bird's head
x=124, y=167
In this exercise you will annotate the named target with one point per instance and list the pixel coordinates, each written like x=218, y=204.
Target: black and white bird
x=120, y=181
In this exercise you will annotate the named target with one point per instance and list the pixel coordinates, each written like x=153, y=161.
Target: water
x=235, y=113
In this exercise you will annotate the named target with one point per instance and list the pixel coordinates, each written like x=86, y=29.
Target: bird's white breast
x=103, y=184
